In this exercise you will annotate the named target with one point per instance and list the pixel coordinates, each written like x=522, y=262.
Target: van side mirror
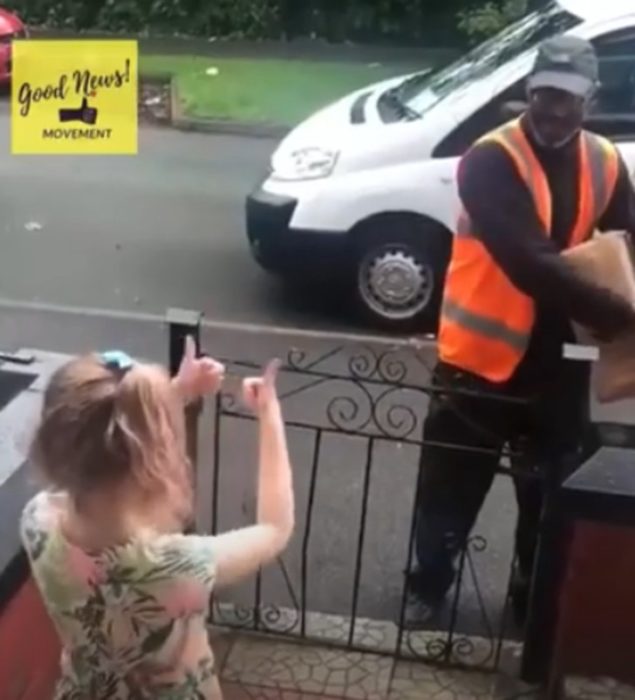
x=513, y=109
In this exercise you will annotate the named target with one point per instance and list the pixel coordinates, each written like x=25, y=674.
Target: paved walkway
x=260, y=668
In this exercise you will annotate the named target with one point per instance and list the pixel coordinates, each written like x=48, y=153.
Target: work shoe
x=419, y=612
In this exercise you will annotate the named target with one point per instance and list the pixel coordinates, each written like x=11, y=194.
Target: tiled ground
x=368, y=635
x=234, y=691
x=309, y=669
x=263, y=668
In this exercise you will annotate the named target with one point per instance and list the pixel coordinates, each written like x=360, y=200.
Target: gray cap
x=566, y=63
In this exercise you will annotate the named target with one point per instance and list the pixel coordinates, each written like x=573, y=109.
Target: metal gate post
x=182, y=323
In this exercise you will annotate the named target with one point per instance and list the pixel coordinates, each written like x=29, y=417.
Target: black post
x=550, y=562
x=182, y=323
x=546, y=579
x=549, y=570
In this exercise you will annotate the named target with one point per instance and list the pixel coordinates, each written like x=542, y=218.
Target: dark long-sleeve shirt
x=504, y=217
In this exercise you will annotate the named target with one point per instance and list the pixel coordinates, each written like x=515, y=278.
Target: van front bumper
x=287, y=251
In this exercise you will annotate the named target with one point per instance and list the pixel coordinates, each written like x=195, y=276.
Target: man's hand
x=615, y=325
x=608, y=335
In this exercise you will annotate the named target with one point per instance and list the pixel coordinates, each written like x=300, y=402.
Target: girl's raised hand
x=198, y=376
x=259, y=393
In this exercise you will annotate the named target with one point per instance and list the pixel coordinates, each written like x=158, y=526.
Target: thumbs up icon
x=85, y=114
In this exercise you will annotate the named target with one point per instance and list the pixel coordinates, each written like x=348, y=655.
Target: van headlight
x=304, y=164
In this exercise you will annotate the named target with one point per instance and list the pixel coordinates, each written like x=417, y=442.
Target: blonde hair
x=102, y=427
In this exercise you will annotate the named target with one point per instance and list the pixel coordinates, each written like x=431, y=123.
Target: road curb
x=179, y=120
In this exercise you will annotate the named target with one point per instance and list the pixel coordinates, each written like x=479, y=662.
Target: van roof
x=598, y=9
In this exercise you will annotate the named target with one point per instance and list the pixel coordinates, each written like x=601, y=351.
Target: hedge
x=405, y=21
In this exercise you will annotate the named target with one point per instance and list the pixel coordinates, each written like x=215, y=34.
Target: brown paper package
x=608, y=260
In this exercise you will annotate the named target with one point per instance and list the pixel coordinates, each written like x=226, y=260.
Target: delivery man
x=529, y=190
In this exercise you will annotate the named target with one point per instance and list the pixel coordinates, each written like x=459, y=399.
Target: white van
x=364, y=191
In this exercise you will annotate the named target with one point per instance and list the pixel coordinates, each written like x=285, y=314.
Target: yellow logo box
x=74, y=97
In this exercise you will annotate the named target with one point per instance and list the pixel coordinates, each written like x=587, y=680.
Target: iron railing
x=354, y=416
x=376, y=400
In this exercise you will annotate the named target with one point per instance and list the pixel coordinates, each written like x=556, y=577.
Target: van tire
x=406, y=250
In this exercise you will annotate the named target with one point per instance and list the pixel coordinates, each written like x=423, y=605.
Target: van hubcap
x=395, y=282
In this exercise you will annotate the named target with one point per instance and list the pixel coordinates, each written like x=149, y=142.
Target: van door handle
x=447, y=180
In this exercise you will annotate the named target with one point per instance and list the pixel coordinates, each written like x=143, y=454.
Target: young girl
x=127, y=591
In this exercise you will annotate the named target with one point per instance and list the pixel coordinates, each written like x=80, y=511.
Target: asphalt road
x=164, y=229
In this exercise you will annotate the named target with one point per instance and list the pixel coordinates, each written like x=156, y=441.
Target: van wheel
x=400, y=268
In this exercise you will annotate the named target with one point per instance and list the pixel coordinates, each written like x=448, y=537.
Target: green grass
x=275, y=91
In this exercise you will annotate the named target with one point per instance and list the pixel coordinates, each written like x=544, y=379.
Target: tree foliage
x=437, y=22
x=485, y=20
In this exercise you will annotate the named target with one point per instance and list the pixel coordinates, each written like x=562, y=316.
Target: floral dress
x=131, y=618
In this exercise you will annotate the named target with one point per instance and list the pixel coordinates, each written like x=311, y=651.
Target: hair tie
x=117, y=360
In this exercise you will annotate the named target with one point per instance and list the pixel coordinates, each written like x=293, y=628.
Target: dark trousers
x=469, y=422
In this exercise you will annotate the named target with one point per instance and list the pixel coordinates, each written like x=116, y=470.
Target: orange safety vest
x=486, y=322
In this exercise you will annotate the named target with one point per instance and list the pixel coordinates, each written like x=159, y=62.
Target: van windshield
x=423, y=90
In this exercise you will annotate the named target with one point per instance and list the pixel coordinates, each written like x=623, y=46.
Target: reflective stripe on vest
x=598, y=158
x=486, y=322
x=488, y=327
